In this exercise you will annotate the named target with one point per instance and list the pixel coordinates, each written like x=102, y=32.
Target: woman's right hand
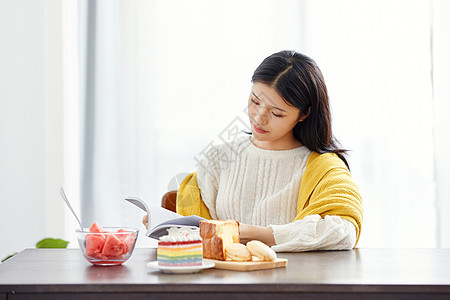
x=145, y=221
x=253, y=232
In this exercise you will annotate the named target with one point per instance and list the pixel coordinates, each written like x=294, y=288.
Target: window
x=165, y=78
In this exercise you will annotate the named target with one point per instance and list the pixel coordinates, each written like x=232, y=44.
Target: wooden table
x=360, y=273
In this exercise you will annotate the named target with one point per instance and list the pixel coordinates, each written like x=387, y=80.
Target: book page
x=160, y=219
x=160, y=215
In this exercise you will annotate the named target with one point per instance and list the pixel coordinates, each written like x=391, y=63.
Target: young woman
x=288, y=183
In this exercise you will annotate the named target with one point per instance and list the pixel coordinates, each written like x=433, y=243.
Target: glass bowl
x=111, y=247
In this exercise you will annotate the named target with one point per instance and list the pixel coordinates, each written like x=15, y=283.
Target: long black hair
x=299, y=81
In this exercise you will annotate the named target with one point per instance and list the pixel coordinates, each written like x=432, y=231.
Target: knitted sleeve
x=330, y=190
x=208, y=179
x=198, y=191
x=314, y=233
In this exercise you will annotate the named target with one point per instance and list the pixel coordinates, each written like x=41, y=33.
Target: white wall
x=30, y=129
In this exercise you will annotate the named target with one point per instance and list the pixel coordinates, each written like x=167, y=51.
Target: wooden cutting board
x=249, y=265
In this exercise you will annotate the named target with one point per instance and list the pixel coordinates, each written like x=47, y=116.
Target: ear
x=304, y=116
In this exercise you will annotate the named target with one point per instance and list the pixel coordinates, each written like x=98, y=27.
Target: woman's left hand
x=145, y=221
x=251, y=232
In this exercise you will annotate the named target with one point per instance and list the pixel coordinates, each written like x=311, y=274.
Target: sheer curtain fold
x=164, y=79
x=115, y=144
x=440, y=27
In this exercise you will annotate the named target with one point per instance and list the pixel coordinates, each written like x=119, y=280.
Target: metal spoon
x=70, y=206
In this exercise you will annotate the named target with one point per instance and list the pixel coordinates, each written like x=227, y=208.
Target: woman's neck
x=276, y=145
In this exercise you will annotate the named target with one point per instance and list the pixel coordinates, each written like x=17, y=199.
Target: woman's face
x=272, y=119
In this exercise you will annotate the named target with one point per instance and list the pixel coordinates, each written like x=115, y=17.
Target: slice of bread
x=217, y=235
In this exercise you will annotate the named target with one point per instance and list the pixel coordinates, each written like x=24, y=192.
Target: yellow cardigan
x=326, y=189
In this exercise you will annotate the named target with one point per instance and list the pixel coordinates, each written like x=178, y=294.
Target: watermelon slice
x=96, y=228
x=114, y=247
x=127, y=239
x=94, y=244
x=100, y=256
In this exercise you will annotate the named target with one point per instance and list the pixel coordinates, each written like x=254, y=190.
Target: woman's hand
x=145, y=221
x=252, y=232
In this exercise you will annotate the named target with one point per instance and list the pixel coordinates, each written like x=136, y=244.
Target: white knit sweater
x=260, y=187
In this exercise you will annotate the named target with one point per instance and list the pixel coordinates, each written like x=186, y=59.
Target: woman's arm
x=198, y=191
x=310, y=233
x=189, y=200
x=327, y=189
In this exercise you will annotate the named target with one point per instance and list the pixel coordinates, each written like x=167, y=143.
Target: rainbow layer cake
x=182, y=247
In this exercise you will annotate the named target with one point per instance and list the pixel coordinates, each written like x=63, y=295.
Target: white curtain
x=164, y=79
x=376, y=60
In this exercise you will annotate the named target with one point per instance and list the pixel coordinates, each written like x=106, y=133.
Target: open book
x=160, y=219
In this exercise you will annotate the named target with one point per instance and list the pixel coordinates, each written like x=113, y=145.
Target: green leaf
x=9, y=256
x=52, y=243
